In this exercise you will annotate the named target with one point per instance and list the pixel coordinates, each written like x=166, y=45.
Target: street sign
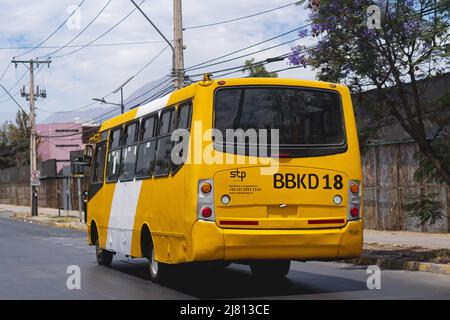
x=35, y=178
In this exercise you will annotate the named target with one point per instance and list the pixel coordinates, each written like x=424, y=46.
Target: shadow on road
x=236, y=281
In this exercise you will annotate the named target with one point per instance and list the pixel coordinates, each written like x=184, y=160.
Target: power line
x=249, y=47
x=12, y=98
x=287, y=68
x=240, y=18
x=69, y=111
x=259, y=63
x=51, y=34
x=246, y=55
x=143, y=94
x=93, y=103
x=150, y=62
x=243, y=66
x=13, y=86
x=81, y=32
x=4, y=72
x=87, y=45
x=100, y=36
x=17, y=83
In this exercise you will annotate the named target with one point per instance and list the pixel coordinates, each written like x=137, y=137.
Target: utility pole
x=31, y=96
x=177, y=50
x=178, y=44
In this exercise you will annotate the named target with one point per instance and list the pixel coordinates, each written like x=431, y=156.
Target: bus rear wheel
x=270, y=269
x=104, y=257
x=158, y=270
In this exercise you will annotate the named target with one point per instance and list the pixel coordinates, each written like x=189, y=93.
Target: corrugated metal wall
x=15, y=189
x=389, y=185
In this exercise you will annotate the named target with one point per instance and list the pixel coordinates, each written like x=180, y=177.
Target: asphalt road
x=34, y=260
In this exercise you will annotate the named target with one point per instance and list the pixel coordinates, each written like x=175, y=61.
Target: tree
x=14, y=142
x=257, y=71
x=397, y=59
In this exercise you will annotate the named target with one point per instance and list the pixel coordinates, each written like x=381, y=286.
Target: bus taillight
x=206, y=187
x=354, y=200
x=354, y=212
x=205, y=200
x=206, y=212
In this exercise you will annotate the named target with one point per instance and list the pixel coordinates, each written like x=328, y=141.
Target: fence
x=15, y=189
x=388, y=173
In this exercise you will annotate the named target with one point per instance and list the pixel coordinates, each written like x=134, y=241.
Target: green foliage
x=257, y=71
x=427, y=171
x=14, y=142
x=440, y=142
x=394, y=61
x=426, y=209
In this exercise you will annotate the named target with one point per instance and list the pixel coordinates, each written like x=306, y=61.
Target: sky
x=72, y=81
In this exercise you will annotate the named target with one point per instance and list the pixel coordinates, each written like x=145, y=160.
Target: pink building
x=57, y=140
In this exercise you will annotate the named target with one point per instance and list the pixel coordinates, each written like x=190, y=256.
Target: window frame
x=124, y=145
x=160, y=136
x=91, y=180
x=141, y=140
x=110, y=149
x=293, y=151
x=175, y=168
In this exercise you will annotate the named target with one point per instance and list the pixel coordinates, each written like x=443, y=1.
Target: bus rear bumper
x=213, y=243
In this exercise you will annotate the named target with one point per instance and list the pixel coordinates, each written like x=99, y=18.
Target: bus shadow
x=236, y=282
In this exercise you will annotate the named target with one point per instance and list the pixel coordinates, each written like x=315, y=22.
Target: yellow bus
x=294, y=193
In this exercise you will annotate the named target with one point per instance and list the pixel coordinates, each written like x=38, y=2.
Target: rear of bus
x=308, y=205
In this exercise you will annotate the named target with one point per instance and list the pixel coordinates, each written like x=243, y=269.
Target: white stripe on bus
x=121, y=219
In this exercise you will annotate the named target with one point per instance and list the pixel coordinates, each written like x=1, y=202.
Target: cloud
x=95, y=71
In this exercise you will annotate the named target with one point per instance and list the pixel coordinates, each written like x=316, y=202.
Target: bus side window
x=99, y=163
x=164, y=147
x=184, y=116
x=183, y=121
x=146, y=148
x=114, y=155
x=129, y=151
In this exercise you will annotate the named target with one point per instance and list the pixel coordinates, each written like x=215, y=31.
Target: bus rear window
x=305, y=118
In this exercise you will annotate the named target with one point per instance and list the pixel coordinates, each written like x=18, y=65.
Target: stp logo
x=238, y=174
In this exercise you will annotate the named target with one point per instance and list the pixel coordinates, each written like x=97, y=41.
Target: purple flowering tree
x=393, y=60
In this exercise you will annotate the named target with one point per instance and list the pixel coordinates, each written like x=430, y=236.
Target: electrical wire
x=246, y=55
x=17, y=82
x=100, y=36
x=92, y=103
x=241, y=18
x=81, y=32
x=14, y=85
x=51, y=34
x=143, y=94
x=88, y=45
x=4, y=72
x=248, y=47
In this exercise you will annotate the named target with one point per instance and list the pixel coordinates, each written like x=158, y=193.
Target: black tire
x=104, y=257
x=277, y=269
x=158, y=271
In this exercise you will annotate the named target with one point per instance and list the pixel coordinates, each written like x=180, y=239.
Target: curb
x=51, y=223
x=393, y=264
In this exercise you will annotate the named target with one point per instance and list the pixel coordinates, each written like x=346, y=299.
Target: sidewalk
x=413, y=251
x=47, y=216
x=408, y=239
